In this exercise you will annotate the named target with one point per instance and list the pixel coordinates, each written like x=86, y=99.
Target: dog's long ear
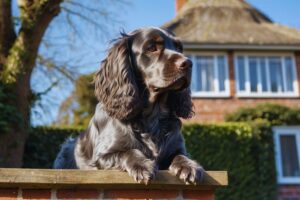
x=115, y=82
x=181, y=103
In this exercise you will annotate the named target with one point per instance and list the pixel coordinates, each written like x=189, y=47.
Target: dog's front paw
x=142, y=172
x=186, y=169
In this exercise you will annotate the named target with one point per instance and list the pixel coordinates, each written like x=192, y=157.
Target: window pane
x=263, y=72
x=253, y=73
x=289, y=73
x=276, y=74
x=221, y=72
x=195, y=85
x=241, y=73
x=206, y=67
x=289, y=155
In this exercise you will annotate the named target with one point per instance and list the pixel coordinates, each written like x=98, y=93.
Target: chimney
x=179, y=4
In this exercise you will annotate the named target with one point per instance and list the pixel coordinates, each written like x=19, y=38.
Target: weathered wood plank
x=49, y=178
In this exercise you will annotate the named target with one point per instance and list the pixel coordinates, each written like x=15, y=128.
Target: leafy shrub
x=9, y=114
x=245, y=151
x=44, y=143
x=272, y=113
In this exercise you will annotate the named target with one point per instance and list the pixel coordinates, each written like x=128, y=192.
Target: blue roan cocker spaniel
x=143, y=90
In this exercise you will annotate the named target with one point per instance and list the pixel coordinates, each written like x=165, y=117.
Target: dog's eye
x=179, y=47
x=152, y=47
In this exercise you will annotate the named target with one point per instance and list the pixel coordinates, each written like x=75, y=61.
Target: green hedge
x=43, y=144
x=244, y=150
x=274, y=114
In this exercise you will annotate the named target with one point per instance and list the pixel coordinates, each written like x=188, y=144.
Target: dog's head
x=146, y=61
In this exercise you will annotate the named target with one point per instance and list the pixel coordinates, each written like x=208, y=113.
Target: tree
x=79, y=107
x=20, y=39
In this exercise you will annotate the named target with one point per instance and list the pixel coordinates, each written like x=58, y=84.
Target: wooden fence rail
x=102, y=184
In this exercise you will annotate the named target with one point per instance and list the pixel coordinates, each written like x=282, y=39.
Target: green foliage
x=43, y=145
x=272, y=113
x=244, y=150
x=18, y=57
x=262, y=118
x=82, y=111
x=9, y=114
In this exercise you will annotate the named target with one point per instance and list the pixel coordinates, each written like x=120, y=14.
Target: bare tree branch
x=85, y=18
x=51, y=64
x=72, y=25
x=48, y=89
x=87, y=8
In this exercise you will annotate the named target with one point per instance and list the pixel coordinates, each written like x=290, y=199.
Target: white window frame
x=277, y=132
x=260, y=93
x=213, y=94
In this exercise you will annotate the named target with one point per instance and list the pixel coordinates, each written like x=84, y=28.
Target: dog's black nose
x=187, y=63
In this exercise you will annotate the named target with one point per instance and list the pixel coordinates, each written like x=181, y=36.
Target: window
x=209, y=76
x=287, y=152
x=266, y=76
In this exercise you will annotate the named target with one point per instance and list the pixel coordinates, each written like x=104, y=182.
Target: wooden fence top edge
x=50, y=178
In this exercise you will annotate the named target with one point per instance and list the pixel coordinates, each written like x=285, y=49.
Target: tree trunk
x=12, y=148
x=12, y=143
x=17, y=60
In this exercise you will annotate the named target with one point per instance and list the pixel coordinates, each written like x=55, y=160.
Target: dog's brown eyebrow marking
x=177, y=41
x=159, y=42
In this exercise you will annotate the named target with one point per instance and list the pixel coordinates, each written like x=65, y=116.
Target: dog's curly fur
x=143, y=89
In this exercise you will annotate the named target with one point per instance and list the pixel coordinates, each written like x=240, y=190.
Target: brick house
x=242, y=58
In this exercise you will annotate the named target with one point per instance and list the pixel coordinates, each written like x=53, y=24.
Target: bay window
x=209, y=76
x=266, y=76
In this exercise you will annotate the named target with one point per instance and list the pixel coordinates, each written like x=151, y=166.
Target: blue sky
x=139, y=13
x=157, y=12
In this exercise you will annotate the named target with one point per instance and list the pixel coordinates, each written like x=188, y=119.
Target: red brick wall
x=70, y=194
x=297, y=60
x=214, y=109
x=288, y=192
x=231, y=72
